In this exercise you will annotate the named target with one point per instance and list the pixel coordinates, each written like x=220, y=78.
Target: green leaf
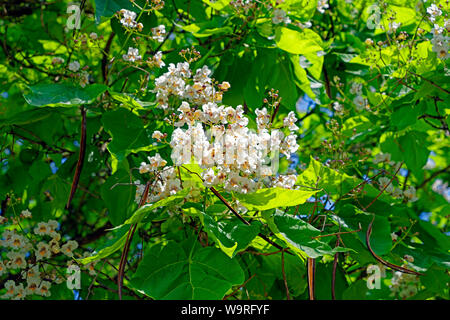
x=333, y=182
x=145, y=210
x=170, y=273
x=231, y=234
x=107, y=8
x=356, y=291
x=270, y=198
x=111, y=246
x=415, y=150
x=128, y=133
x=118, y=193
x=298, y=235
x=63, y=94
x=297, y=42
x=128, y=101
x=380, y=240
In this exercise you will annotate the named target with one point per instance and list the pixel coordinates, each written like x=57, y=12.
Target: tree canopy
x=244, y=149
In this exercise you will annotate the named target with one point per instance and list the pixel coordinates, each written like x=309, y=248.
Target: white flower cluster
x=177, y=82
x=129, y=19
x=279, y=16
x=441, y=188
x=229, y=152
x=132, y=55
x=27, y=254
x=244, y=5
x=434, y=11
x=439, y=40
x=440, y=43
x=386, y=185
x=359, y=101
x=385, y=182
x=404, y=285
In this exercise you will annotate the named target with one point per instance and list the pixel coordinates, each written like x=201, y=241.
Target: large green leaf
x=128, y=133
x=380, y=239
x=118, y=193
x=107, y=8
x=167, y=272
x=333, y=182
x=145, y=210
x=111, y=246
x=231, y=234
x=270, y=198
x=63, y=94
x=411, y=147
x=298, y=235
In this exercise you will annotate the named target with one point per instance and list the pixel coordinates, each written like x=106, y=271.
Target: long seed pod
x=379, y=259
x=126, y=248
x=76, y=176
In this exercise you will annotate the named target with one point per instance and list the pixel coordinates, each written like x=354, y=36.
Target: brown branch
x=218, y=195
x=284, y=276
x=387, y=185
x=238, y=288
x=337, y=233
x=434, y=175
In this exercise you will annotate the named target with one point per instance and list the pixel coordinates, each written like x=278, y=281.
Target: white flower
x=209, y=177
x=69, y=247
x=10, y=287
x=32, y=286
x=157, y=60
x=44, y=289
x=42, y=229
x=128, y=19
x=382, y=157
x=360, y=103
x=279, y=16
x=93, y=36
x=437, y=30
x=84, y=79
x=434, y=12
x=356, y=88
x=393, y=26
x=32, y=274
x=262, y=118
x=25, y=214
x=159, y=33
x=440, y=46
x=158, y=135
x=16, y=260
x=16, y=241
x=394, y=236
x=74, y=66
x=410, y=194
x=290, y=120
x=42, y=251
x=322, y=5
x=397, y=193
x=132, y=55
x=338, y=108
x=385, y=184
